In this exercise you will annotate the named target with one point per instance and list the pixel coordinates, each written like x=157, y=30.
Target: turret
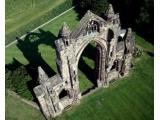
x=110, y=13
x=65, y=34
x=129, y=41
x=129, y=34
x=117, y=19
x=42, y=76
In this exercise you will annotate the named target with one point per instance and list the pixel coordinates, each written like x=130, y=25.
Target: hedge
x=40, y=20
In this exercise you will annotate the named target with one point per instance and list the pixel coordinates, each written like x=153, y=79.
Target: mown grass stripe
x=40, y=26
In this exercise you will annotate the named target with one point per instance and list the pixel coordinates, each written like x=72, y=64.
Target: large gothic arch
x=102, y=48
x=98, y=40
x=114, y=61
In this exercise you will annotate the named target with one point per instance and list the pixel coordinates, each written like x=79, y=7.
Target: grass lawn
x=71, y=19
x=22, y=6
x=14, y=22
x=18, y=110
x=54, y=26
x=27, y=15
x=127, y=99
x=131, y=98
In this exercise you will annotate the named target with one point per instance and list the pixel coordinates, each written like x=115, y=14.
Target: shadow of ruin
x=29, y=49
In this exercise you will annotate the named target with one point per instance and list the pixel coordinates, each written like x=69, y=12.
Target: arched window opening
x=74, y=75
x=67, y=43
x=111, y=53
x=50, y=90
x=93, y=26
x=122, y=68
x=115, y=65
x=91, y=67
x=63, y=94
x=120, y=39
x=110, y=35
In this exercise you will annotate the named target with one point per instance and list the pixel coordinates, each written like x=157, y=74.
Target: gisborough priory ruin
x=115, y=48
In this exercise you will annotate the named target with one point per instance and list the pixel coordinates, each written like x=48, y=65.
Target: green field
x=29, y=14
x=127, y=99
x=14, y=21
x=14, y=52
x=70, y=18
x=17, y=110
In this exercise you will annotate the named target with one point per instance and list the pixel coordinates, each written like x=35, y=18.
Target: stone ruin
x=114, y=60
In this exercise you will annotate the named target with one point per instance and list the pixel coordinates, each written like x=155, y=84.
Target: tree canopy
x=138, y=14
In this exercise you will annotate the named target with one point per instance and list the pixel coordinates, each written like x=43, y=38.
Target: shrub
x=99, y=7
x=137, y=52
x=17, y=81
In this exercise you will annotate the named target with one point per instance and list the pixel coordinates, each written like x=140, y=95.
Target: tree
x=17, y=80
x=137, y=14
x=99, y=7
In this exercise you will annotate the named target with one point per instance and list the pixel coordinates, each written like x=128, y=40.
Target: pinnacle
x=41, y=71
x=42, y=76
x=65, y=31
x=129, y=30
x=110, y=9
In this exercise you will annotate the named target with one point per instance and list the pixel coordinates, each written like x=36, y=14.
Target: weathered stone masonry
x=115, y=46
